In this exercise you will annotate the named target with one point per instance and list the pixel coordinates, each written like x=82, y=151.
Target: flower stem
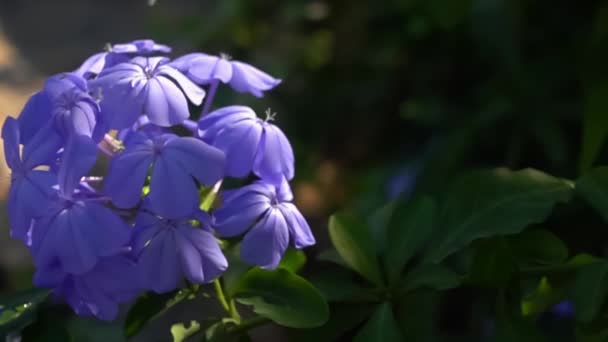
x=220, y=295
x=210, y=96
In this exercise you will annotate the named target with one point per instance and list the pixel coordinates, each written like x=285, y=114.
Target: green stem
x=233, y=312
x=220, y=296
x=251, y=323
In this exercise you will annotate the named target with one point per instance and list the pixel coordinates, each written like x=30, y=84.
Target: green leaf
x=409, y=229
x=283, y=297
x=538, y=247
x=381, y=327
x=493, y=263
x=593, y=188
x=432, y=276
x=151, y=305
x=180, y=332
x=340, y=285
x=293, y=260
x=352, y=239
x=493, y=203
x=343, y=318
x=595, y=124
x=332, y=255
x=19, y=310
x=589, y=290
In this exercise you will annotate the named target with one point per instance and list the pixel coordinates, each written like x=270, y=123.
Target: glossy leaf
x=493, y=203
x=595, y=124
x=353, y=241
x=283, y=297
x=538, y=247
x=381, y=327
x=593, y=188
x=431, y=276
x=589, y=290
x=341, y=285
x=19, y=310
x=293, y=260
x=149, y=306
x=409, y=229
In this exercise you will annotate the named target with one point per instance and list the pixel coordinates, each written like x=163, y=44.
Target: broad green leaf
x=589, y=290
x=283, y=297
x=151, y=305
x=341, y=285
x=432, y=276
x=343, y=319
x=332, y=255
x=293, y=260
x=538, y=247
x=417, y=312
x=493, y=263
x=180, y=331
x=381, y=327
x=409, y=228
x=593, y=188
x=352, y=239
x=595, y=124
x=494, y=203
x=19, y=310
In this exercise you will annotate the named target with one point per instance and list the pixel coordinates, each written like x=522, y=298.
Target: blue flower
x=64, y=101
x=242, y=77
x=170, y=249
x=119, y=53
x=269, y=220
x=250, y=143
x=76, y=229
x=97, y=292
x=30, y=188
x=176, y=163
x=144, y=86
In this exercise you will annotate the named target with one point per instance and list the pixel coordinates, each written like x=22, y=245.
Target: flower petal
x=78, y=158
x=11, y=138
x=35, y=114
x=248, y=79
x=299, y=230
x=266, y=242
x=173, y=193
x=196, y=158
x=127, y=174
x=165, y=104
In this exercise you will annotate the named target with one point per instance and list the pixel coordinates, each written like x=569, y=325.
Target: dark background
x=378, y=97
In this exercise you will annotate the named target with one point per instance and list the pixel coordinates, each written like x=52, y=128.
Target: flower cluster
x=107, y=196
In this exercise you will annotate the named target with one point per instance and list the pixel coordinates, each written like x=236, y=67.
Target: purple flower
x=145, y=86
x=250, y=143
x=170, y=249
x=176, y=163
x=97, y=292
x=268, y=219
x=242, y=77
x=76, y=229
x=65, y=101
x=119, y=53
x=30, y=188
